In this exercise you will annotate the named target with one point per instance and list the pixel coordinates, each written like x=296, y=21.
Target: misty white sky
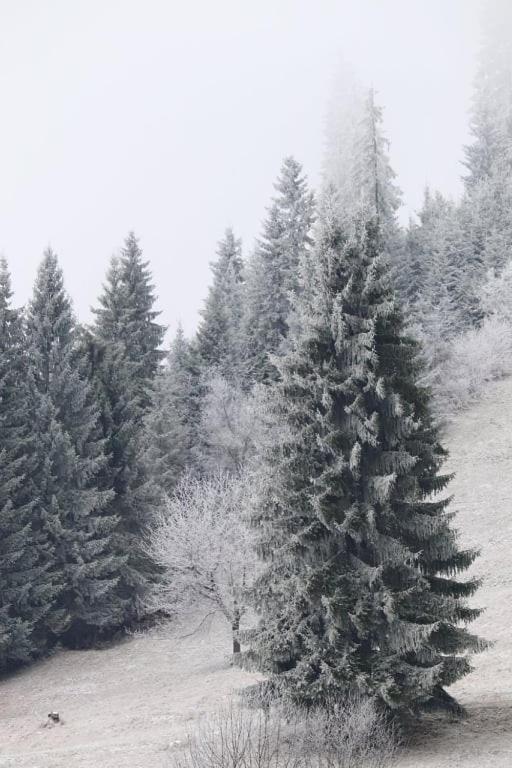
x=172, y=118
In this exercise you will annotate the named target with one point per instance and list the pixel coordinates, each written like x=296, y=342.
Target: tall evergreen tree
x=26, y=590
x=359, y=587
x=218, y=335
x=127, y=355
x=68, y=510
x=273, y=275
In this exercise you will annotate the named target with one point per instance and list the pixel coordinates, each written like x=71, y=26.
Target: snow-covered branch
x=203, y=544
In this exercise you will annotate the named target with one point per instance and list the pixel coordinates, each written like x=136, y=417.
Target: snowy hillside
x=129, y=705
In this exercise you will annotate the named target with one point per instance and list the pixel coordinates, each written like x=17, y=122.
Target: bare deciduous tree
x=227, y=425
x=235, y=424
x=203, y=544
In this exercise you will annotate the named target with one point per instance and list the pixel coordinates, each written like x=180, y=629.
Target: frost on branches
x=204, y=546
x=361, y=585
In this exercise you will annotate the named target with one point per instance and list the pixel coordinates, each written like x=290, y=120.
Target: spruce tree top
x=218, y=335
x=127, y=315
x=273, y=275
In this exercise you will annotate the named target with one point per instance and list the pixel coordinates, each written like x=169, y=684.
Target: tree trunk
x=235, y=626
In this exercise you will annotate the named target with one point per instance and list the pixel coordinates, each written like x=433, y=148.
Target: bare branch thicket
x=227, y=426
x=234, y=424
x=474, y=359
x=350, y=734
x=203, y=543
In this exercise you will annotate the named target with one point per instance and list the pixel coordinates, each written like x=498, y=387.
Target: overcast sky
x=172, y=118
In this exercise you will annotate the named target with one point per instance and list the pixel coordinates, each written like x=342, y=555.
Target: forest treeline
x=317, y=381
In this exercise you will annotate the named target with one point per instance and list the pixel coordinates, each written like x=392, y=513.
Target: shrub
x=345, y=734
x=236, y=737
x=474, y=359
x=349, y=733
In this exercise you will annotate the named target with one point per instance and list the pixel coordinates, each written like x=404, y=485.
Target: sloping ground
x=128, y=706
x=123, y=707
x=480, y=444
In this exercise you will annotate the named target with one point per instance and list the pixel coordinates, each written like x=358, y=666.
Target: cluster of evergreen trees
x=360, y=583
x=76, y=492
x=455, y=248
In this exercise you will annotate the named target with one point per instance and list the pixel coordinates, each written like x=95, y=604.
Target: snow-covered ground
x=123, y=707
x=131, y=704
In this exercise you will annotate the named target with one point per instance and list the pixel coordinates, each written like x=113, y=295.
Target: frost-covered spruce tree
x=127, y=317
x=357, y=163
x=488, y=202
x=360, y=584
x=127, y=352
x=441, y=271
x=491, y=118
x=26, y=589
x=69, y=510
x=273, y=274
x=172, y=423
x=218, y=336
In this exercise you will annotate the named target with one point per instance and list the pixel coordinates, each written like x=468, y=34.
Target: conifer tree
x=357, y=164
x=127, y=356
x=441, y=271
x=373, y=178
x=273, y=275
x=218, y=335
x=491, y=119
x=69, y=511
x=358, y=167
x=26, y=590
x=172, y=422
x=488, y=203
x=126, y=317
x=360, y=583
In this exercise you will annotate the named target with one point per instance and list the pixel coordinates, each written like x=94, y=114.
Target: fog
x=172, y=118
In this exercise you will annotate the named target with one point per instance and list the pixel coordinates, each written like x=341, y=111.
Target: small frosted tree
x=201, y=541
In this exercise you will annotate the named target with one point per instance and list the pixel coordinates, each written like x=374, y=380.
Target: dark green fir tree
x=26, y=589
x=172, y=424
x=69, y=511
x=360, y=586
